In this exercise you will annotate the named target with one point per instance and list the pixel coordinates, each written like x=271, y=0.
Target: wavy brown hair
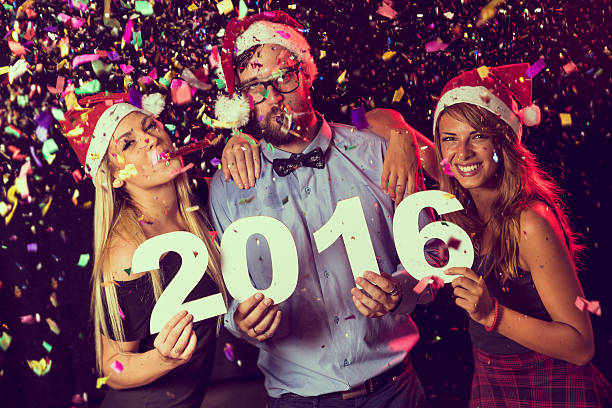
x=520, y=181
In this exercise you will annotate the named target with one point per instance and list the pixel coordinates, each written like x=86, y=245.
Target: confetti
x=446, y=167
x=566, y=119
x=535, y=68
x=83, y=260
x=591, y=306
x=101, y=381
x=5, y=341
x=117, y=366
x=398, y=95
x=228, y=350
x=40, y=367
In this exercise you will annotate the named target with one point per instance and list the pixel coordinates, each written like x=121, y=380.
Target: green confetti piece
x=164, y=81
x=444, y=223
x=5, y=341
x=137, y=38
x=246, y=200
x=11, y=131
x=58, y=114
x=7, y=6
x=220, y=83
x=265, y=95
x=242, y=9
x=22, y=100
x=349, y=147
x=170, y=127
x=47, y=346
x=270, y=147
x=89, y=88
x=285, y=200
x=49, y=148
x=128, y=271
x=144, y=8
x=83, y=260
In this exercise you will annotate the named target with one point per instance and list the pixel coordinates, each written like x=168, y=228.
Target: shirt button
x=346, y=362
x=326, y=274
x=307, y=190
x=336, y=319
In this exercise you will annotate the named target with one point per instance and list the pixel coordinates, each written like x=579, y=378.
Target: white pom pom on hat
x=234, y=111
x=530, y=115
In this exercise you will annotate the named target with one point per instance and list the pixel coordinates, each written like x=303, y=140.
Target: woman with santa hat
x=532, y=345
x=140, y=193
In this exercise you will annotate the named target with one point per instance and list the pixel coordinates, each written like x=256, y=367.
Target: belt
x=374, y=384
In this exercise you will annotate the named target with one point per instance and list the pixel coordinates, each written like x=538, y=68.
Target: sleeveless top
x=184, y=386
x=519, y=294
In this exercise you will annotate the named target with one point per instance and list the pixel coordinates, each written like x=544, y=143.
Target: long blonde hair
x=115, y=216
x=520, y=181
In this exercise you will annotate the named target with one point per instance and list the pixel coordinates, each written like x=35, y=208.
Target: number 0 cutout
x=283, y=254
x=348, y=221
x=194, y=255
x=410, y=242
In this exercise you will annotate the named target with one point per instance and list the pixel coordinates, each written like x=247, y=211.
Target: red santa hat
x=90, y=129
x=270, y=27
x=496, y=89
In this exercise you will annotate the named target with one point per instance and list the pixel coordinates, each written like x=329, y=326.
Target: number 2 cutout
x=146, y=258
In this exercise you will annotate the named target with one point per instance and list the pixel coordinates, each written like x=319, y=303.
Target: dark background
x=354, y=37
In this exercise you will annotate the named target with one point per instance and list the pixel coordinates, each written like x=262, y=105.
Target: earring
x=117, y=183
x=495, y=157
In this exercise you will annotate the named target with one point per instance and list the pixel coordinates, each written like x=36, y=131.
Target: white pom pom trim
x=530, y=115
x=153, y=103
x=233, y=111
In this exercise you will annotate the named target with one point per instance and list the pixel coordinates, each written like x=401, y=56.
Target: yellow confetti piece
x=77, y=131
x=53, y=326
x=388, y=55
x=94, y=156
x=566, y=119
x=40, y=367
x=448, y=195
x=225, y=7
x=4, y=208
x=121, y=158
x=192, y=7
x=72, y=102
x=397, y=96
x=45, y=209
x=483, y=72
x=4, y=70
x=75, y=198
x=101, y=381
x=193, y=208
x=342, y=77
x=128, y=171
x=322, y=54
x=61, y=64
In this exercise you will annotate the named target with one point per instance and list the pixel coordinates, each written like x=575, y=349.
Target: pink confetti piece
x=117, y=366
x=126, y=68
x=83, y=59
x=446, y=167
x=435, y=281
x=121, y=313
x=32, y=247
x=59, y=85
x=437, y=45
x=283, y=34
x=350, y=317
x=127, y=35
x=386, y=9
x=181, y=92
x=591, y=306
x=17, y=48
x=569, y=67
x=27, y=319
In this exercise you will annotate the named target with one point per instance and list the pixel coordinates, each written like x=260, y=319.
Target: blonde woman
x=139, y=195
x=532, y=345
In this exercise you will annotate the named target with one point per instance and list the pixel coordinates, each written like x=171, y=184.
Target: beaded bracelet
x=495, y=317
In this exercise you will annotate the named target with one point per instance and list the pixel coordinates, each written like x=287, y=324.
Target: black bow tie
x=314, y=158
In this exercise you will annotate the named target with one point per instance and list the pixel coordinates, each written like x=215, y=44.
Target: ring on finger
x=255, y=331
x=394, y=291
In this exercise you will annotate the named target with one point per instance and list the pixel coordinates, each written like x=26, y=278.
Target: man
x=330, y=341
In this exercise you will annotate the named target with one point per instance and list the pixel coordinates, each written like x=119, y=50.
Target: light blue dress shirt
x=323, y=344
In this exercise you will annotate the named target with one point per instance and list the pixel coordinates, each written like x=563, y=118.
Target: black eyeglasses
x=286, y=82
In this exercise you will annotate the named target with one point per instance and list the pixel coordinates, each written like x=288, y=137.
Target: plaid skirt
x=536, y=381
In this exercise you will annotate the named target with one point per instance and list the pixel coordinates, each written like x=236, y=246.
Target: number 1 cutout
x=194, y=256
x=410, y=242
x=283, y=254
x=348, y=221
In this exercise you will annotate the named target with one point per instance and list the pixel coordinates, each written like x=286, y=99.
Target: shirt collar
x=322, y=140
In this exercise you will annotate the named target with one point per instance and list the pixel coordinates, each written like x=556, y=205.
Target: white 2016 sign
x=347, y=221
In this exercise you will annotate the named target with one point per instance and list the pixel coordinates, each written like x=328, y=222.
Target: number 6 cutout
x=410, y=242
x=146, y=258
x=283, y=254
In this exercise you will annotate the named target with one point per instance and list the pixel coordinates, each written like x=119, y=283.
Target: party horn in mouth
x=209, y=140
